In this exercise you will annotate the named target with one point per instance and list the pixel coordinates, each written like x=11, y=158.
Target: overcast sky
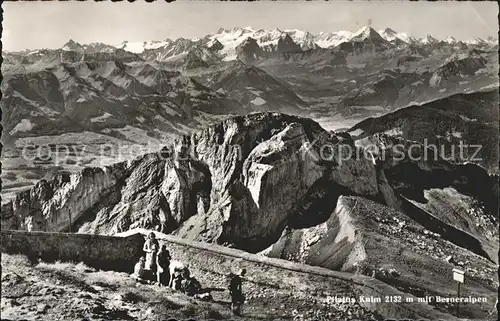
x=29, y=25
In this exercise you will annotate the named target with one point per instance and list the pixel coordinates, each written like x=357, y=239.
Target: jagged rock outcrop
x=54, y=205
x=362, y=236
x=365, y=40
x=249, y=51
x=235, y=183
x=240, y=183
x=259, y=184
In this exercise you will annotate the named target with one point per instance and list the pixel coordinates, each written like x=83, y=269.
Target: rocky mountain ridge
x=284, y=185
x=104, y=95
x=467, y=119
x=94, y=95
x=246, y=175
x=269, y=41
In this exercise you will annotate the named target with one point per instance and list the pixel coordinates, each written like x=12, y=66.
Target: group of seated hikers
x=157, y=266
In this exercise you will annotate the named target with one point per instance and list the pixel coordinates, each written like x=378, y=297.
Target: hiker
x=189, y=285
x=163, y=266
x=151, y=249
x=176, y=282
x=175, y=268
x=139, y=269
x=236, y=292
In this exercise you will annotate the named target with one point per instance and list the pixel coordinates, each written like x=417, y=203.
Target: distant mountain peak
x=492, y=39
x=395, y=37
x=284, y=35
x=364, y=30
x=429, y=39
x=302, y=38
x=390, y=31
x=365, y=33
x=328, y=40
x=72, y=45
x=237, y=30
x=450, y=39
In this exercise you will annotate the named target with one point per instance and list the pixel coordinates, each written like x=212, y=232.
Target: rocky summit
x=283, y=186
x=369, y=157
x=235, y=182
x=245, y=180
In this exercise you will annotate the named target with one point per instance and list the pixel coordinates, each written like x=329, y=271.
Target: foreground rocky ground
x=65, y=291
x=367, y=238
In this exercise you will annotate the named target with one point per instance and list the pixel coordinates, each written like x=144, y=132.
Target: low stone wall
x=98, y=251
x=216, y=262
x=120, y=253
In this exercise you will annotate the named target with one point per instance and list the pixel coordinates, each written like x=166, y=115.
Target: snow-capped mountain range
x=249, y=44
x=268, y=39
x=155, y=90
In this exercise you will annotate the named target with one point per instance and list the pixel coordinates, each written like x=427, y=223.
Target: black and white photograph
x=264, y=160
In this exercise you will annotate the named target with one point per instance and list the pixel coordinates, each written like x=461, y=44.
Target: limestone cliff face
x=134, y=201
x=237, y=182
x=277, y=173
x=53, y=205
x=444, y=199
x=243, y=182
x=263, y=171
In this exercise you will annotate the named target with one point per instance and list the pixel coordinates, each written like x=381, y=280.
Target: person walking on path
x=236, y=292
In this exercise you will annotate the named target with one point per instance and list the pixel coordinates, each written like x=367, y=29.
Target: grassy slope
x=64, y=291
